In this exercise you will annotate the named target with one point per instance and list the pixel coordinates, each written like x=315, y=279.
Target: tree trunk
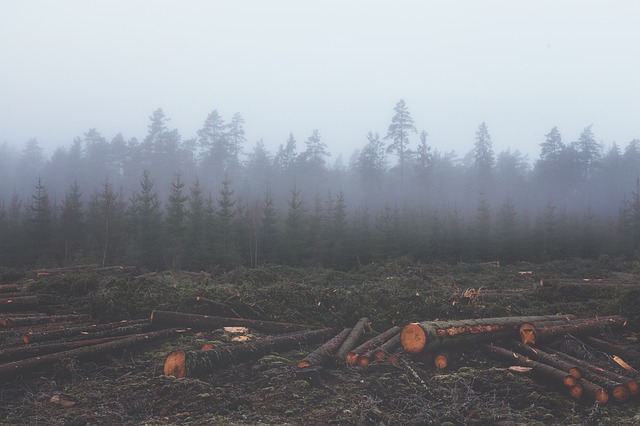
x=19, y=321
x=629, y=354
x=620, y=387
x=551, y=360
x=183, y=363
x=206, y=322
x=325, y=353
x=18, y=303
x=22, y=352
x=415, y=337
x=547, y=333
x=527, y=330
x=353, y=338
x=387, y=348
x=537, y=368
x=9, y=288
x=28, y=365
x=116, y=328
x=354, y=354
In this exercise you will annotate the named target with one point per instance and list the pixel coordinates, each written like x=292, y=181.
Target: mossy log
x=353, y=356
x=539, y=369
x=182, y=363
x=111, y=329
x=416, y=337
x=363, y=325
x=28, y=365
x=17, y=319
x=325, y=353
x=21, y=352
x=620, y=387
x=206, y=322
x=546, y=332
x=554, y=361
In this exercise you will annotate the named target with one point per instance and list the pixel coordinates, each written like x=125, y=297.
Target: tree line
x=206, y=202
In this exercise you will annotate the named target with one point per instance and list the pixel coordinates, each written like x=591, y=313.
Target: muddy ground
x=128, y=388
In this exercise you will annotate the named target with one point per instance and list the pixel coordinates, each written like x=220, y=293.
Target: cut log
x=593, y=391
x=10, y=288
x=206, y=322
x=218, y=305
x=620, y=387
x=325, y=353
x=547, y=333
x=542, y=356
x=18, y=303
x=22, y=352
x=415, y=337
x=353, y=338
x=387, y=348
x=585, y=282
x=183, y=363
x=354, y=354
x=19, y=321
x=441, y=359
x=86, y=331
x=527, y=329
x=628, y=354
x=28, y=365
x=540, y=369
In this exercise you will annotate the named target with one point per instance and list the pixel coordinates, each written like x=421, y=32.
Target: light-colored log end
x=175, y=364
x=413, y=338
x=576, y=391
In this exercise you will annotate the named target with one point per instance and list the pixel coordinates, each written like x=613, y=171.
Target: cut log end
x=207, y=347
x=26, y=339
x=363, y=361
x=441, y=361
x=576, y=391
x=620, y=393
x=413, y=338
x=569, y=381
x=575, y=372
x=304, y=364
x=602, y=396
x=175, y=364
x=352, y=358
x=634, y=387
x=528, y=334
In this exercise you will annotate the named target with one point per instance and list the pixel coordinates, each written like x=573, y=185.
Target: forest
x=213, y=202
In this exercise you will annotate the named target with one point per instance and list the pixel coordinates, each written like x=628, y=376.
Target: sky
x=338, y=66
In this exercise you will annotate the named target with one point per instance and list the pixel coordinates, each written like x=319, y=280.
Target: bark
x=18, y=303
x=593, y=391
x=387, y=348
x=19, y=320
x=620, y=387
x=183, y=363
x=547, y=333
x=126, y=327
x=415, y=337
x=527, y=330
x=554, y=361
x=353, y=338
x=28, y=365
x=540, y=369
x=10, y=288
x=325, y=353
x=206, y=322
x=629, y=354
x=223, y=307
x=585, y=282
x=354, y=354
x=22, y=352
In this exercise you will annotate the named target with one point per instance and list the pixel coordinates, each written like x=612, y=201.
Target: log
x=527, y=330
x=629, y=354
x=354, y=354
x=353, y=338
x=415, y=337
x=387, y=348
x=10, y=288
x=19, y=303
x=222, y=306
x=593, y=391
x=22, y=352
x=547, y=333
x=325, y=353
x=554, y=361
x=183, y=363
x=206, y=322
x=18, y=321
x=127, y=327
x=540, y=369
x=441, y=359
x=585, y=282
x=28, y=365
x=620, y=387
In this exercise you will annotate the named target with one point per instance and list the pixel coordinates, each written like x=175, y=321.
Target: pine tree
x=146, y=223
x=269, y=230
x=398, y=133
x=227, y=248
x=40, y=224
x=71, y=223
x=483, y=157
x=176, y=224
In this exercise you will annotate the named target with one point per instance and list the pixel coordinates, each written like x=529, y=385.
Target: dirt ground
x=128, y=388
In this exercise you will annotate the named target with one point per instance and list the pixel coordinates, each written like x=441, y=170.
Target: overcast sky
x=337, y=66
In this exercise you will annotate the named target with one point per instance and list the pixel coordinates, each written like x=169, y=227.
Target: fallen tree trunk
x=22, y=352
x=549, y=359
x=387, y=348
x=28, y=365
x=354, y=354
x=206, y=322
x=546, y=333
x=441, y=359
x=219, y=305
x=540, y=369
x=18, y=303
x=183, y=363
x=415, y=337
x=326, y=352
x=585, y=282
x=19, y=320
x=123, y=327
x=10, y=288
x=620, y=387
x=353, y=338
x=527, y=330
x=629, y=354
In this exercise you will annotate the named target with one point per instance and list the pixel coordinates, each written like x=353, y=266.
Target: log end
x=634, y=387
x=304, y=364
x=175, y=364
x=575, y=372
x=380, y=355
x=602, y=396
x=576, y=391
x=26, y=339
x=413, y=338
x=570, y=381
x=528, y=334
x=620, y=393
x=363, y=361
x=441, y=361
x=352, y=358
x=207, y=347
